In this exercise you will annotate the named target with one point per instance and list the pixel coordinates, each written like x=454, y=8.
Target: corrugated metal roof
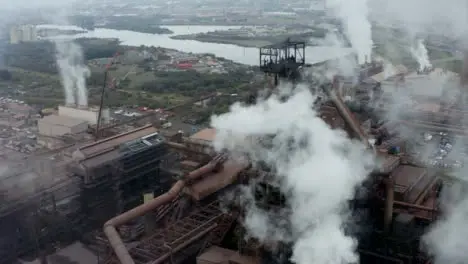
x=406, y=177
x=100, y=159
x=111, y=142
x=62, y=120
x=207, y=134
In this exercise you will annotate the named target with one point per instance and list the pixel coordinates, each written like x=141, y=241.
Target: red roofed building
x=184, y=66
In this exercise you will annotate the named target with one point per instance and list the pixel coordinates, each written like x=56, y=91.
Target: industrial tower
x=283, y=60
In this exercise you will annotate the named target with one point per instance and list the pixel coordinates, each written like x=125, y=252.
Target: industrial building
x=88, y=114
x=73, y=192
x=55, y=125
x=116, y=172
x=123, y=183
x=401, y=201
x=24, y=33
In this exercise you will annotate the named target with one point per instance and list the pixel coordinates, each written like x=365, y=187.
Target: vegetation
x=247, y=41
x=135, y=23
x=86, y=22
x=40, y=56
x=5, y=75
x=34, y=71
x=192, y=83
x=55, y=32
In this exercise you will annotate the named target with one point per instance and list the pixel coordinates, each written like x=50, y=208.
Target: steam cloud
x=71, y=64
x=419, y=52
x=73, y=72
x=317, y=167
x=447, y=239
x=358, y=29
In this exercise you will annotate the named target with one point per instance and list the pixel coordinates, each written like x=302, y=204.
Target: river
x=235, y=53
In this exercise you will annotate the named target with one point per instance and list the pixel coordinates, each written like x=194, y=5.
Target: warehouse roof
x=114, y=141
x=62, y=120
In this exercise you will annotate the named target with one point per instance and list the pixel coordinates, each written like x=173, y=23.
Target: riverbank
x=244, y=55
x=50, y=32
x=248, y=42
x=139, y=28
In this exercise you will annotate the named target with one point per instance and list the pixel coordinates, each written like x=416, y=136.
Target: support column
x=149, y=221
x=388, y=213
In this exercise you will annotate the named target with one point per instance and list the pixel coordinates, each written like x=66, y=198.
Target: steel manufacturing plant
x=139, y=197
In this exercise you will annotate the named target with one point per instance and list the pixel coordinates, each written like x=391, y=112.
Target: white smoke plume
x=447, y=238
x=448, y=18
x=70, y=63
x=354, y=17
x=73, y=72
x=419, y=52
x=317, y=167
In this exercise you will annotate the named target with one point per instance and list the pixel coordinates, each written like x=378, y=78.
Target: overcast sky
x=15, y=4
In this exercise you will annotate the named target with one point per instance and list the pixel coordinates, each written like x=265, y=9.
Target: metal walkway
x=182, y=235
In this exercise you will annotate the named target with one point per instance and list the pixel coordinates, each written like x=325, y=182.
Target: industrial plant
x=139, y=196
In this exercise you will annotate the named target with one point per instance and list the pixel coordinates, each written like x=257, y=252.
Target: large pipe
x=388, y=213
x=346, y=115
x=185, y=244
x=110, y=227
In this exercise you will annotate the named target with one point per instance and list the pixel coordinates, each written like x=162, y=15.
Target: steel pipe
x=185, y=244
x=110, y=227
x=347, y=115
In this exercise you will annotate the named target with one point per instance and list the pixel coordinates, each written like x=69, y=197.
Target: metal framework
x=206, y=226
x=283, y=60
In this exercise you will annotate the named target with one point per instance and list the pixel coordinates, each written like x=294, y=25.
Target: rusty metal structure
x=402, y=202
x=107, y=180
x=188, y=218
x=283, y=60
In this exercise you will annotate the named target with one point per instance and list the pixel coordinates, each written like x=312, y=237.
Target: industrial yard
x=129, y=188
x=221, y=132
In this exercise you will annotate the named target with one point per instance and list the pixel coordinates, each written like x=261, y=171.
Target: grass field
x=136, y=75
